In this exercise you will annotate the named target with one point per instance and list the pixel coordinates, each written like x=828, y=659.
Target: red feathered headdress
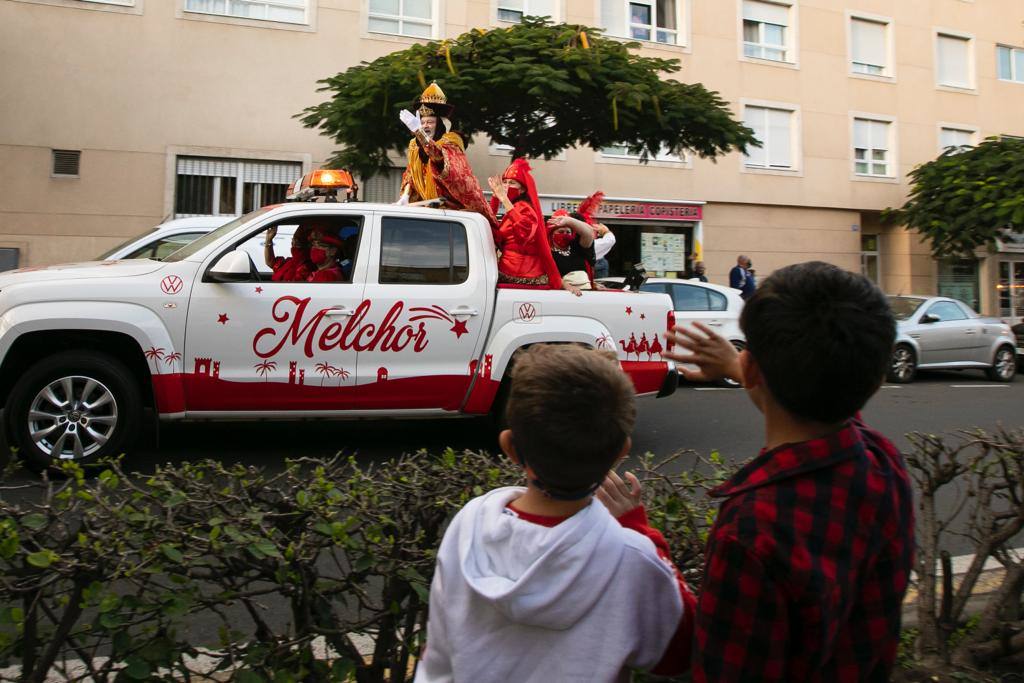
x=519, y=170
x=589, y=206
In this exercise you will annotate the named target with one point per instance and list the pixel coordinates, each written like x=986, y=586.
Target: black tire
x=903, y=365
x=1004, y=365
x=101, y=419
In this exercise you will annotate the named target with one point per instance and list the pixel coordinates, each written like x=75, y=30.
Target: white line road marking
x=891, y=386
x=980, y=386
x=713, y=389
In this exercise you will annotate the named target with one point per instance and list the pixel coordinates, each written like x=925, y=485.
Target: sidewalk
x=991, y=576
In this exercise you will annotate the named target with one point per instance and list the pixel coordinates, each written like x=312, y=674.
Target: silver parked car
x=940, y=333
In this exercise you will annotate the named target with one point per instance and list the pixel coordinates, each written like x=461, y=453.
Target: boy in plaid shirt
x=809, y=557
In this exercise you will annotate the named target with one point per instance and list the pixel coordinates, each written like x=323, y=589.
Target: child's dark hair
x=823, y=338
x=570, y=410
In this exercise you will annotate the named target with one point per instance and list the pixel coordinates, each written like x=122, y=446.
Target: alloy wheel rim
x=902, y=363
x=1004, y=363
x=72, y=417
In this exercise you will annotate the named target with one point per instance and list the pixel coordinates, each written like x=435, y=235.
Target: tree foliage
x=537, y=86
x=966, y=198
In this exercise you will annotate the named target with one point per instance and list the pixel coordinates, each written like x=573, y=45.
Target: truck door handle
x=969, y=332
x=463, y=310
x=714, y=323
x=339, y=310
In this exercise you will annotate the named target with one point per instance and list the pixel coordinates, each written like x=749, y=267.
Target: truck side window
x=423, y=251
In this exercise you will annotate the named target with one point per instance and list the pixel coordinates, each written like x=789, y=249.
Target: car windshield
x=110, y=252
x=212, y=237
x=904, y=306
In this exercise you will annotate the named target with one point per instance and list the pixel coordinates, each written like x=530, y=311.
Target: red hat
x=589, y=206
x=519, y=170
x=321, y=234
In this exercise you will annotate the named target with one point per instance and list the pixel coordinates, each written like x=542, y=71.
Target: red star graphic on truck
x=629, y=310
x=223, y=318
x=459, y=328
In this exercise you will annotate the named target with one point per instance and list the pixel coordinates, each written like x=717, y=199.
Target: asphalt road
x=701, y=418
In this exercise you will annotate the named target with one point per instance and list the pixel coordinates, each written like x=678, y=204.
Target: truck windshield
x=212, y=237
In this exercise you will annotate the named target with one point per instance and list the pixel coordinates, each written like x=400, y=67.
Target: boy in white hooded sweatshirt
x=543, y=583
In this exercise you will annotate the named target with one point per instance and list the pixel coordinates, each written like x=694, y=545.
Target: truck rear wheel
x=73, y=405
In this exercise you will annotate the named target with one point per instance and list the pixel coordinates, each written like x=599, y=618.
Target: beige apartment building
x=119, y=114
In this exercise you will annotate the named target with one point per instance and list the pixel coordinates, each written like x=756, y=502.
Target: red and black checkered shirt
x=807, y=564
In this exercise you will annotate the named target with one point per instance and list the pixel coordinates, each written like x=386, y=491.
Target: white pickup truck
x=420, y=329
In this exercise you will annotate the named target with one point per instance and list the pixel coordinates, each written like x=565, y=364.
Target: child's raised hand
x=713, y=354
x=619, y=496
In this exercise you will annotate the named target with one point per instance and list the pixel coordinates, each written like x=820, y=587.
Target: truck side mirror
x=234, y=266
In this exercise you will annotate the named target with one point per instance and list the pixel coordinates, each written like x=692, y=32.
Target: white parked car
x=165, y=239
x=935, y=332
x=419, y=328
x=716, y=306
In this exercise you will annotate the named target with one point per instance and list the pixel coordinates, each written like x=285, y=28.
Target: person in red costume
x=572, y=244
x=324, y=248
x=437, y=165
x=294, y=268
x=521, y=237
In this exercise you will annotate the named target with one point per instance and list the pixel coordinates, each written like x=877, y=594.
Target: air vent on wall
x=65, y=161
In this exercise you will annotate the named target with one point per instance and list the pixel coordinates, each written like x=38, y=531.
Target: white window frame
x=877, y=253
x=254, y=155
x=118, y=6
x=309, y=25
x=892, y=161
x=971, y=61
x=661, y=159
x=795, y=139
x=684, y=13
x=889, y=72
x=558, y=12
x=1014, y=76
x=792, y=40
x=945, y=125
x=435, y=30
x=268, y=3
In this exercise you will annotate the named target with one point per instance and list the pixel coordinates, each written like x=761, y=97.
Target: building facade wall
x=131, y=87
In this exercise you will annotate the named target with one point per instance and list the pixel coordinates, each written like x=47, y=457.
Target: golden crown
x=433, y=95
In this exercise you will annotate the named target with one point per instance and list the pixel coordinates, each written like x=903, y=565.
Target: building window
x=66, y=162
x=869, y=256
x=290, y=11
x=766, y=30
x=872, y=148
x=383, y=188
x=414, y=18
x=1011, y=63
x=123, y=3
x=207, y=186
x=9, y=258
x=774, y=129
x=513, y=11
x=955, y=138
x=624, y=151
x=953, y=61
x=651, y=20
x=869, y=47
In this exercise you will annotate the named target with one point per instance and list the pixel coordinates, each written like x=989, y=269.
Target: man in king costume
x=437, y=164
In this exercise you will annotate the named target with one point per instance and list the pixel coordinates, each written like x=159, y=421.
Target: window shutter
x=952, y=61
x=861, y=133
x=383, y=187
x=779, y=154
x=879, y=135
x=766, y=12
x=868, y=42
x=66, y=161
x=754, y=118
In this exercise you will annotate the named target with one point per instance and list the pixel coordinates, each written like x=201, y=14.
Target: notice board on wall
x=662, y=252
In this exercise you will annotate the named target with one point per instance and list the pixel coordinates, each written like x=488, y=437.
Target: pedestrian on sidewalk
x=809, y=556
x=741, y=277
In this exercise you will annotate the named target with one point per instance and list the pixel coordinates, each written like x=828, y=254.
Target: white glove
x=403, y=200
x=411, y=121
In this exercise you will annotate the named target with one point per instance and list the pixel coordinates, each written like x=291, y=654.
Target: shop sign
x=618, y=209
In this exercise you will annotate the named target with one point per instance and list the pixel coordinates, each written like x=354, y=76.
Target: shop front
x=665, y=236
x=1009, y=258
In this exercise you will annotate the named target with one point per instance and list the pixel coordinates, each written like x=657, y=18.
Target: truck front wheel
x=73, y=405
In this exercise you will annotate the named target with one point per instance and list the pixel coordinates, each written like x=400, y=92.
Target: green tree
x=967, y=197
x=537, y=86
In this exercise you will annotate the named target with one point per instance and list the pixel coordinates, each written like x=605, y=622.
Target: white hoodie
x=516, y=601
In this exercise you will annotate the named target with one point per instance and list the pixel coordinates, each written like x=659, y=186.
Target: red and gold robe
x=445, y=173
